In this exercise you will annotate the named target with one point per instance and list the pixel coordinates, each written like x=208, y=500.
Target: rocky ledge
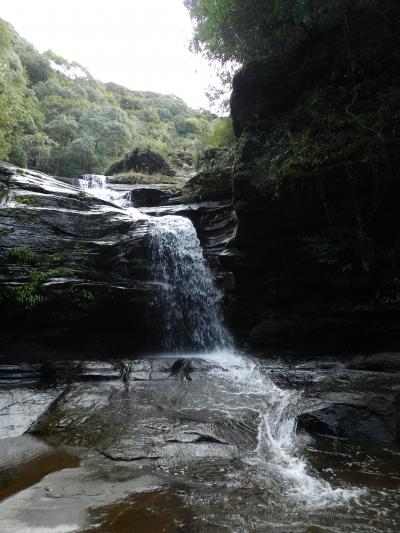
x=72, y=267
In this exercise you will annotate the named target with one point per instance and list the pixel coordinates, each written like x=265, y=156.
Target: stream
x=202, y=437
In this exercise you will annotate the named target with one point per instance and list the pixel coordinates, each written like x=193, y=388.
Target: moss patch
x=327, y=128
x=130, y=178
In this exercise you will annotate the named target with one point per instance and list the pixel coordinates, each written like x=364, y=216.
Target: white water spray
x=187, y=303
x=96, y=185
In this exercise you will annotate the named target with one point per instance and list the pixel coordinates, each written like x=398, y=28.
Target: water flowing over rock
x=185, y=311
x=187, y=304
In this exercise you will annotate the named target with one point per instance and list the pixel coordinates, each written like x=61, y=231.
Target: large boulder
x=149, y=195
x=142, y=160
x=352, y=421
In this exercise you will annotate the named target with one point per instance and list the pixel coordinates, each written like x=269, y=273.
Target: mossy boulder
x=142, y=160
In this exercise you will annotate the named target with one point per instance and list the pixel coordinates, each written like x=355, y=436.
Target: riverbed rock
x=378, y=362
x=352, y=422
x=149, y=195
x=71, y=266
x=348, y=399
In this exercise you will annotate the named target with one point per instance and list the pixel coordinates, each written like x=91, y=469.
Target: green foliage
x=20, y=255
x=56, y=118
x=213, y=181
x=188, y=125
x=34, y=201
x=243, y=30
x=58, y=257
x=326, y=251
x=134, y=178
x=221, y=135
x=5, y=36
x=83, y=298
x=318, y=132
x=81, y=195
x=28, y=294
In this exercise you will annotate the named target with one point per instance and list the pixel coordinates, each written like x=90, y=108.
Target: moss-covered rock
x=142, y=160
x=316, y=184
x=213, y=179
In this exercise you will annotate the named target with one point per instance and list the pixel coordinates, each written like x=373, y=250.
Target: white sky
x=141, y=44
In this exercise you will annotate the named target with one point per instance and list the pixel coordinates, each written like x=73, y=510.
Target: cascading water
x=187, y=303
x=96, y=185
x=187, y=312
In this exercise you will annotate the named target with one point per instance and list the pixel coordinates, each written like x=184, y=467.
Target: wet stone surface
x=116, y=443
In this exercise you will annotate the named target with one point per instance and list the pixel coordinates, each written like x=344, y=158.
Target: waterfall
x=186, y=315
x=187, y=306
x=96, y=185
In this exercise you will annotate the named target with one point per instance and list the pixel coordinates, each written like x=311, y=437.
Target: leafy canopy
x=243, y=30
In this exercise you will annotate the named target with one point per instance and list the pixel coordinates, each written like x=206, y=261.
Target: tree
x=243, y=30
x=37, y=149
x=188, y=125
x=63, y=129
x=56, y=117
x=108, y=127
x=36, y=65
x=222, y=134
x=5, y=36
x=81, y=155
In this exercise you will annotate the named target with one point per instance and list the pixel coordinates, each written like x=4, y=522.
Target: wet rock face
x=351, y=422
x=75, y=267
x=354, y=398
x=315, y=182
x=71, y=266
x=215, y=224
x=213, y=180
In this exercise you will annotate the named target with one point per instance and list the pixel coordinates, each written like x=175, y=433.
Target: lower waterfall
x=187, y=302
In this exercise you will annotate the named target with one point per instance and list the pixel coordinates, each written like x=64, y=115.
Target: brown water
x=25, y=460
x=219, y=453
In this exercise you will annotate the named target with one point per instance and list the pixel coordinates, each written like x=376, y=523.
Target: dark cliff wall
x=316, y=189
